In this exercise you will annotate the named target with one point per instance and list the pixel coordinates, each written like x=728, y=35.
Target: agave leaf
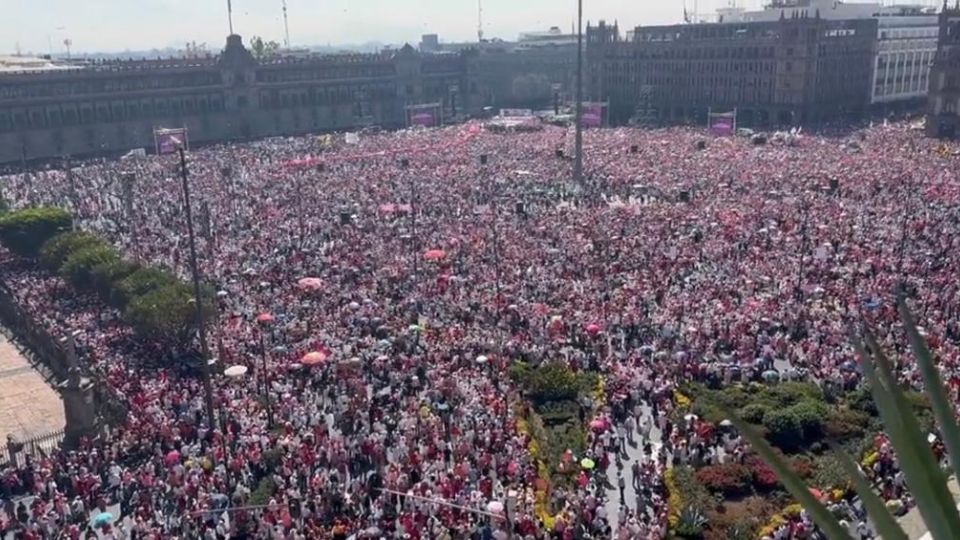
x=884, y=521
x=916, y=461
x=942, y=410
x=821, y=516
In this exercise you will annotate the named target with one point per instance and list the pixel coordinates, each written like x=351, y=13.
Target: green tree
x=78, y=268
x=106, y=276
x=56, y=250
x=784, y=429
x=25, y=231
x=263, y=49
x=139, y=283
x=166, y=315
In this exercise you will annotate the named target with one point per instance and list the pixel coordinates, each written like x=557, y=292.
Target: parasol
x=593, y=329
x=101, y=519
x=265, y=318
x=434, y=255
x=172, y=458
x=310, y=284
x=495, y=507
x=314, y=358
x=235, y=372
x=587, y=464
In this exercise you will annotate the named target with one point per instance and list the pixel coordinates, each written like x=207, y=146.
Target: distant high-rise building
x=943, y=119
x=429, y=43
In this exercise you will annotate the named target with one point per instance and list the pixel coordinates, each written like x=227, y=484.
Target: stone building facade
x=943, y=118
x=111, y=107
x=791, y=72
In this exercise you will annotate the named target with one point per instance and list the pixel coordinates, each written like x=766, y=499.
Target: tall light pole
x=198, y=298
x=578, y=163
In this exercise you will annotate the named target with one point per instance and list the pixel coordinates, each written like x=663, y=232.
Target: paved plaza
x=28, y=405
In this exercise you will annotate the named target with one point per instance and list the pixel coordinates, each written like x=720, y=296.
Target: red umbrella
x=314, y=358
x=265, y=318
x=434, y=255
x=310, y=284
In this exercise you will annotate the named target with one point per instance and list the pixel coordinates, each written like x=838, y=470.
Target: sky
x=116, y=25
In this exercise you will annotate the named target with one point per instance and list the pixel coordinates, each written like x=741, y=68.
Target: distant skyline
x=41, y=26
x=37, y=26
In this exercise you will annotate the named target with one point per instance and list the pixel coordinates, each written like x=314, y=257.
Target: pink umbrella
x=598, y=424
x=310, y=284
x=434, y=255
x=593, y=329
x=388, y=208
x=315, y=358
x=265, y=318
x=172, y=458
x=513, y=467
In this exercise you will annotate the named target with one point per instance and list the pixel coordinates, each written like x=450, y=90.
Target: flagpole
x=230, y=15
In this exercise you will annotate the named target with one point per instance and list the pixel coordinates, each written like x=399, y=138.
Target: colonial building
x=794, y=71
x=115, y=106
x=943, y=119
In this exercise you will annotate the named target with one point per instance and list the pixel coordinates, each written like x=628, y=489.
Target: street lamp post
x=578, y=163
x=198, y=299
x=266, y=376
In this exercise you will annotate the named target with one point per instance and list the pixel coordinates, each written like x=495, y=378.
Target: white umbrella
x=495, y=507
x=481, y=359
x=690, y=416
x=235, y=372
x=726, y=423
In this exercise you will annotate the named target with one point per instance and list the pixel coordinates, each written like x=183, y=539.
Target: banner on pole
x=168, y=141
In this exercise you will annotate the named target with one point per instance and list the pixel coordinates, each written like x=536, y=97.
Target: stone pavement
x=29, y=407
x=634, y=453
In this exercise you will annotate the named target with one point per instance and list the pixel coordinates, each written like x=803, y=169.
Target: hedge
x=25, y=231
x=59, y=248
x=78, y=268
x=157, y=305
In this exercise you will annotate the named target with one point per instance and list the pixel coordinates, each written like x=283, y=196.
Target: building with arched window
x=113, y=106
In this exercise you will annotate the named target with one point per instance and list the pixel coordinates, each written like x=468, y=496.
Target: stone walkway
x=29, y=407
x=634, y=453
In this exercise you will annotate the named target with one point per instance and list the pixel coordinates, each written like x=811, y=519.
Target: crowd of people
x=440, y=256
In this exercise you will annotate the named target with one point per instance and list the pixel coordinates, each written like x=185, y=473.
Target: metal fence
x=37, y=447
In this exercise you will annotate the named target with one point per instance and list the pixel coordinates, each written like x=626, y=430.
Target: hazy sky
x=116, y=25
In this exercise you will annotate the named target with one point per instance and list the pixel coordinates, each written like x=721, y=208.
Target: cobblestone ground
x=28, y=406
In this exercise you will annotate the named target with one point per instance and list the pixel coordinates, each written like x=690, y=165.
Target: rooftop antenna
x=286, y=27
x=230, y=15
x=479, y=21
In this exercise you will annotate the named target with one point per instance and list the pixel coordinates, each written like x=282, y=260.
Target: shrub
x=811, y=415
x=139, y=283
x=802, y=466
x=78, y=268
x=106, y=276
x=754, y=413
x=166, y=315
x=784, y=429
x=730, y=479
x=56, y=250
x=764, y=479
x=552, y=382
x=842, y=424
x=25, y=231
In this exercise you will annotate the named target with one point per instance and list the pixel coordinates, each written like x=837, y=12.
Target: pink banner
x=169, y=141
x=721, y=127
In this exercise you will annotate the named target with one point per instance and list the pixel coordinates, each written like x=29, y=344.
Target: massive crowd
x=669, y=262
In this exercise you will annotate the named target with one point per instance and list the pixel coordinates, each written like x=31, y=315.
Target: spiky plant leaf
x=916, y=460
x=821, y=516
x=942, y=410
x=882, y=519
